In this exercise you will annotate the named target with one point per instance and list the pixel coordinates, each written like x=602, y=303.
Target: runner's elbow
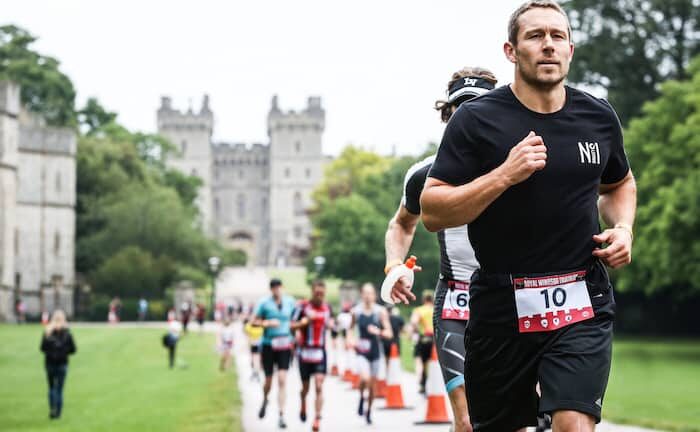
x=430, y=222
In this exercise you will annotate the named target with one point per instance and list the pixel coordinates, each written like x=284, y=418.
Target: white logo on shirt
x=589, y=152
x=469, y=82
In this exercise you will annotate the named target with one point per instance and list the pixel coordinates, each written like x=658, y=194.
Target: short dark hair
x=318, y=282
x=274, y=282
x=514, y=25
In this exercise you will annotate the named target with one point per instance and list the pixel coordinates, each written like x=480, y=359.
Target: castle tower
x=9, y=138
x=296, y=162
x=191, y=133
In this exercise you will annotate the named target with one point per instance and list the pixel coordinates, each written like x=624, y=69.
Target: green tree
x=345, y=172
x=45, y=90
x=353, y=215
x=132, y=272
x=663, y=146
x=93, y=117
x=631, y=46
x=351, y=238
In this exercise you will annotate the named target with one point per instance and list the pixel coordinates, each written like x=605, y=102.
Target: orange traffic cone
x=355, y=371
x=394, y=394
x=436, y=409
x=380, y=383
x=347, y=374
x=333, y=359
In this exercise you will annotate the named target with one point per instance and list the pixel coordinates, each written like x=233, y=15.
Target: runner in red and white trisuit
x=311, y=319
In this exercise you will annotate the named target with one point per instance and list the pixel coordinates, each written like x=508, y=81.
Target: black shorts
x=503, y=366
x=386, y=344
x=272, y=358
x=423, y=348
x=307, y=369
x=449, y=339
x=254, y=349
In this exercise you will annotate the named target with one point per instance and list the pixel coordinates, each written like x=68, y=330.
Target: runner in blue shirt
x=274, y=314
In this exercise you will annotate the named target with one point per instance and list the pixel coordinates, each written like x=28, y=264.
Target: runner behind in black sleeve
x=457, y=260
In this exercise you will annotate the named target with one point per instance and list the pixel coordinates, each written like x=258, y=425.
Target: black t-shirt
x=546, y=223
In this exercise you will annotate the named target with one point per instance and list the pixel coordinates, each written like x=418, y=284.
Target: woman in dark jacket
x=56, y=344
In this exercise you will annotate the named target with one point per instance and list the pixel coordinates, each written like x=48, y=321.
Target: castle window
x=56, y=243
x=240, y=173
x=58, y=182
x=287, y=172
x=16, y=241
x=183, y=147
x=297, y=146
x=241, y=206
x=298, y=204
x=308, y=172
x=216, y=206
x=297, y=232
x=264, y=205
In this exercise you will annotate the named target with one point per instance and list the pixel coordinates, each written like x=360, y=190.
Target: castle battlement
x=170, y=118
x=312, y=117
x=47, y=139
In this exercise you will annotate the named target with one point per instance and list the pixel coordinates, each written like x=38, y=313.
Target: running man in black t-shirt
x=457, y=260
x=525, y=165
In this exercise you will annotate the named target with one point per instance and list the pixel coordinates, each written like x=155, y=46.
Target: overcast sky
x=378, y=65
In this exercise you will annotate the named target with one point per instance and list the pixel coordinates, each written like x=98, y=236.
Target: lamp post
x=213, y=267
x=319, y=262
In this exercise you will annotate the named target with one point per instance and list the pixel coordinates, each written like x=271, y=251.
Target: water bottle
x=403, y=270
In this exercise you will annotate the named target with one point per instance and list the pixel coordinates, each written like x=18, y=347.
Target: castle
x=254, y=198
x=37, y=210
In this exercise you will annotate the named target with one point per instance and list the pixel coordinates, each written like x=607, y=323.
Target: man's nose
x=548, y=42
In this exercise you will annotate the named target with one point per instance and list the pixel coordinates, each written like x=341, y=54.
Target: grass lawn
x=118, y=381
x=654, y=384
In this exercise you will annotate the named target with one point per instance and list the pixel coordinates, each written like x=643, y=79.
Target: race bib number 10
x=551, y=302
x=456, y=306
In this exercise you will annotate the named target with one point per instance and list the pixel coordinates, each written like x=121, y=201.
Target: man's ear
x=509, y=51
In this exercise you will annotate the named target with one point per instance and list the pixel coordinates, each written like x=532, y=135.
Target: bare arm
x=617, y=206
x=399, y=235
x=445, y=206
x=387, y=332
x=397, y=242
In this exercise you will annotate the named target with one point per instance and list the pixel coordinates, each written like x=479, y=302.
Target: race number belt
x=551, y=302
x=311, y=355
x=456, y=305
x=363, y=346
x=281, y=343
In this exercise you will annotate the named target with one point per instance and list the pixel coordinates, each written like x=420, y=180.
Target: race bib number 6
x=456, y=305
x=552, y=302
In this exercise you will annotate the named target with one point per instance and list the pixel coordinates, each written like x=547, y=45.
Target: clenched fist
x=528, y=156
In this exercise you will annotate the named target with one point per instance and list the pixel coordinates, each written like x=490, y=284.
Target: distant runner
x=274, y=314
x=371, y=322
x=312, y=318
